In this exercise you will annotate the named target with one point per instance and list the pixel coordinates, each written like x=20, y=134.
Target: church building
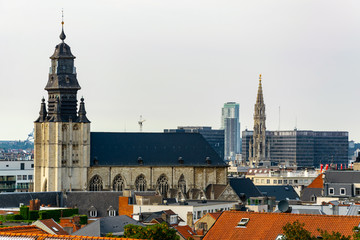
x=68, y=157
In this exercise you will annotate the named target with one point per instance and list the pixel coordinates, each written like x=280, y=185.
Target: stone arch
x=182, y=184
x=96, y=183
x=162, y=185
x=118, y=183
x=140, y=183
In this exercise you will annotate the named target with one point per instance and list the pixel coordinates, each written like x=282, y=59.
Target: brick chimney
x=190, y=219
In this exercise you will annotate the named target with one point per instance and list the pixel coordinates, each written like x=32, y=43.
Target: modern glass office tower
x=230, y=122
x=302, y=148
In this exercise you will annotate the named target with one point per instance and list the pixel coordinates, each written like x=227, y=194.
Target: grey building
x=343, y=184
x=230, y=122
x=302, y=148
x=215, y=137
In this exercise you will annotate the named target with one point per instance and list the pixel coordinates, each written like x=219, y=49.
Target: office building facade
x=230, y=122
x=302, y=148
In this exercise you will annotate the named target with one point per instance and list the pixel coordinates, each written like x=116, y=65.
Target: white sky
x=177, y=62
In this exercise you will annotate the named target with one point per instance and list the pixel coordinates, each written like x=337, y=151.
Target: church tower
x=258, y=147
x=61, y=133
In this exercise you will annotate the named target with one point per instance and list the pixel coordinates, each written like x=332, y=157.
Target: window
x=140, y=183
x=96, y=184
x=290, y=181
x=262, y=180
x=285, y=181
x=243, y=222
x=275, y=181
x=24, y=177
x=280, y=182
x=268, y=181
x=18, y=177
x=118, y=183
x=30, y=177
x=296, y=181
x=162, y=185
x=32, y=165
x=257, y=181
x=203, y=225
x=22, y=166
x=331, y=191
x=198, y=214
x=342, y=191
x=112, y=213
x=93, y=213
x=182, y=184
x=357, y=191
x=173, y=219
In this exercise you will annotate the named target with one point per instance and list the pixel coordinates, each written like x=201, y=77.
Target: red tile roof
x=54, y=226
x=10, y=236
x=269, y=225
x=317, y=182
x=23, y=229
x=185, y=231
x=215, y=215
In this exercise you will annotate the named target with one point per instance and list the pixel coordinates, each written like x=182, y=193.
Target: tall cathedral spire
x=259, y=138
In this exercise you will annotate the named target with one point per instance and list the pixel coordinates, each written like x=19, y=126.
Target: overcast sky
x=177, y=62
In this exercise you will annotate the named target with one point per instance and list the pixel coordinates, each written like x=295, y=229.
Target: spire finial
x=62, y=35
x=260, y=78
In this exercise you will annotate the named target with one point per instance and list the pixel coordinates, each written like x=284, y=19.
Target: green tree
x=153, y=232
x=296, y=231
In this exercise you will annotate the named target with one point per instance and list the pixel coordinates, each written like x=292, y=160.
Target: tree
x=296, y=231
x=153, y=232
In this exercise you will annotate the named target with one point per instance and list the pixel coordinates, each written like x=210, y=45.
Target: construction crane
x=140, y=122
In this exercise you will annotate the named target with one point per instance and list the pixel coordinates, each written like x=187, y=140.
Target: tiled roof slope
x=23, y=229
x=185, y=231
x=269, y=225
x=280, y=192
x=215, y=215
x=342, y=176
x=244, y=186
x=18, y=236
x=317, y=182
x=155, y=149
x=53, y=227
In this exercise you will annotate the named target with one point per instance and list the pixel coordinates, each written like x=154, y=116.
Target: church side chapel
x=68, y=157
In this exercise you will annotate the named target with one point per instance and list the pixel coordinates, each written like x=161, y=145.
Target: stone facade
x=62, y=153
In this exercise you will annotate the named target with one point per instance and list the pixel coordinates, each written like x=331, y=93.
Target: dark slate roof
x=155, y=149
x=85, y=200
x=280, y=192
x=307, y=194
x=244, y=186
x=342, y=177
x=13, y=199
x=107, y=225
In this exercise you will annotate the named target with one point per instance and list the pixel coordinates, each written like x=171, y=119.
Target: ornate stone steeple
x=258, y=145
x=62, y=85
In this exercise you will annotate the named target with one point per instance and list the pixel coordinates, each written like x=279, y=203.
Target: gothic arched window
x=96, y=183
x=162, y=185
x=118, y=183
x=140, y=183
x=182, y=184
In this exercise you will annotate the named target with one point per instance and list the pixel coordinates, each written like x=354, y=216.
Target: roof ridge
x=294, y=214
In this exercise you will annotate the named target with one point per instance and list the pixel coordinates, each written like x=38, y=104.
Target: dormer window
x=93, y=213
x=243, y=222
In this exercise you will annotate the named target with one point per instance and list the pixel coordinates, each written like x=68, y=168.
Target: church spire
x=82, y=112
x=260, y=98
x=42, y=113
x=62, y=35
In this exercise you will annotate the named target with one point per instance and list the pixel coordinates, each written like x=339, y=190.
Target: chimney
x=190, y=219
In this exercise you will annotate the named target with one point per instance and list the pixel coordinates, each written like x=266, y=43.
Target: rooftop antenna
x=295, y=123
x=140, y=122
x=62, y=35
